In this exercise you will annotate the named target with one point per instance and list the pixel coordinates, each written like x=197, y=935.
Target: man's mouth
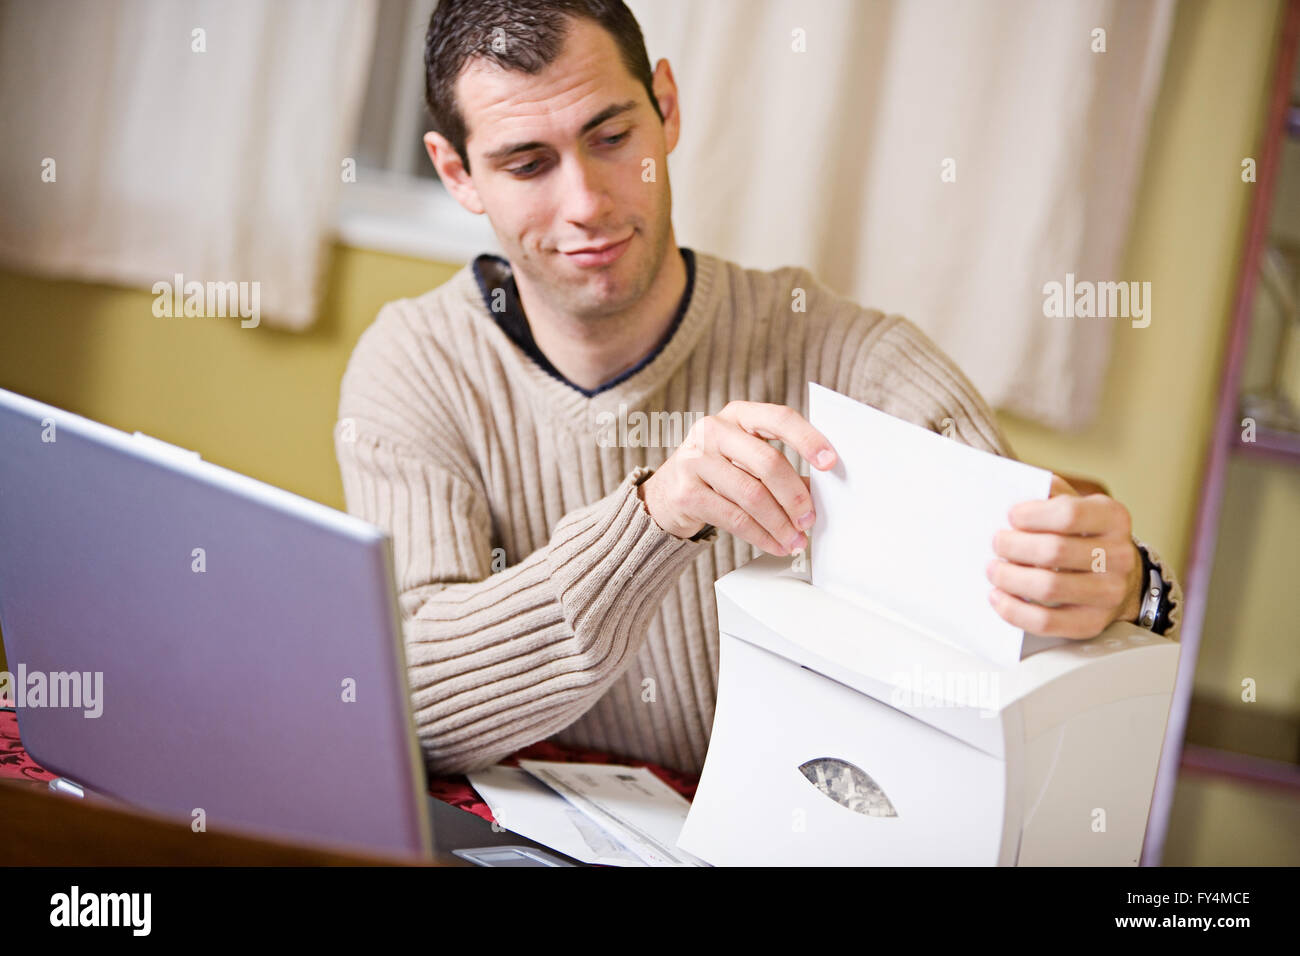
x=599, y=254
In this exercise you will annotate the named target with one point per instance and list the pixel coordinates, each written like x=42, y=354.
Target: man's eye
x=525, y=169
x=529, y=168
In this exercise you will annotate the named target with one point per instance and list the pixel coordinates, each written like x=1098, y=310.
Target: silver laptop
x=192, y=641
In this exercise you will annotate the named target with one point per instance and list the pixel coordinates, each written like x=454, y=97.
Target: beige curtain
x=146, y=139
x=819, y=134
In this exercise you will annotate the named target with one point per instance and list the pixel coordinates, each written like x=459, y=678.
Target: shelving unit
x=1283, y=120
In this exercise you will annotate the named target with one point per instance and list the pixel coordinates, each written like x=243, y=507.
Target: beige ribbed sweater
x=539, y=598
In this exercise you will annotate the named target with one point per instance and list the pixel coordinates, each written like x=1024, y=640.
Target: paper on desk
x=631, y=804
x=905, y=523
x=522, y=803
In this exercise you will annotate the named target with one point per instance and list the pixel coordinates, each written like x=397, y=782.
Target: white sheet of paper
x=905, y=523
x=522, y=803
x=630, y=803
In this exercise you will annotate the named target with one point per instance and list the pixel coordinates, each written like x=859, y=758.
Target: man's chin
x=604, y=295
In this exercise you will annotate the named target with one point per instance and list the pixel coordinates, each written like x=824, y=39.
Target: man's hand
x=1072, y=553
x=726, y=474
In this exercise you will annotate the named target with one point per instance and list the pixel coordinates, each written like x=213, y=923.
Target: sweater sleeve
x=501, y=657
x=905, y=374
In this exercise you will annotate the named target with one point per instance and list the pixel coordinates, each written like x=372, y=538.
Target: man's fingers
x=1068, y=621
x=782, y=423
x=727, y=441
x=722, y=512
x=1065, y=514
x=1046, y=550
x=1056, y=587
x=727, y=474
x=739, y=488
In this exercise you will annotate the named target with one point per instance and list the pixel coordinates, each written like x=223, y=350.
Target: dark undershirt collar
x=493, y=272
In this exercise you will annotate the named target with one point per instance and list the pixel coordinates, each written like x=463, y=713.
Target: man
x=556, y=574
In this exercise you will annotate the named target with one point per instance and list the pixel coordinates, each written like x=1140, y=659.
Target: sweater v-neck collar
x=509, y=334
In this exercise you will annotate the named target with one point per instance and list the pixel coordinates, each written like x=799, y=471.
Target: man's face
x=571, y=159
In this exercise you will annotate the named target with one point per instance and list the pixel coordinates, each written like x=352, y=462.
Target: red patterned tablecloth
x=15, y=764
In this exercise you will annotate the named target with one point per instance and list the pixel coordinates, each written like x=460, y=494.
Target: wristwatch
x=1156, y=605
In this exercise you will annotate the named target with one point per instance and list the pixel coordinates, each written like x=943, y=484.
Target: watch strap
x=1156, y=604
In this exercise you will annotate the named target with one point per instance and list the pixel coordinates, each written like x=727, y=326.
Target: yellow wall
x=255, y=400
x=1149, y=443
x=263, y=402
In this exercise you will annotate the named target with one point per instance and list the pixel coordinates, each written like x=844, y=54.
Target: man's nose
x=586, y=200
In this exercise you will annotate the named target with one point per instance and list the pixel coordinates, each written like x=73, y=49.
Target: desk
x=42, y=828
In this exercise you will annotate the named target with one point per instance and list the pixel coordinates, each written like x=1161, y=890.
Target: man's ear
x=665, y=87
x=452, y=172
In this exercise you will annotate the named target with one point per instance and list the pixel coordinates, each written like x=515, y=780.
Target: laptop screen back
x=208, y=645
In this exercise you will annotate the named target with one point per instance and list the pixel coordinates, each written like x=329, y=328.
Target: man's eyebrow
x=608, y=113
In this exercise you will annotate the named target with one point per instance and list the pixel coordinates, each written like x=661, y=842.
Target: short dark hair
x=521, y=35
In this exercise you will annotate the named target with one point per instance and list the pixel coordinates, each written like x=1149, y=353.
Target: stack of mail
x=596, y=813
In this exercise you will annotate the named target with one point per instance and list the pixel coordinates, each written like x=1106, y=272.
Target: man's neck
x=589, y=354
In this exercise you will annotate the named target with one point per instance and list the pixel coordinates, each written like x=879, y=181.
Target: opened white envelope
x=631, y=804
x=523, y=804
x=906, y=519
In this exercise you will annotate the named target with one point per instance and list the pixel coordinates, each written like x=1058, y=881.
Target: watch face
x=1153, y=601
